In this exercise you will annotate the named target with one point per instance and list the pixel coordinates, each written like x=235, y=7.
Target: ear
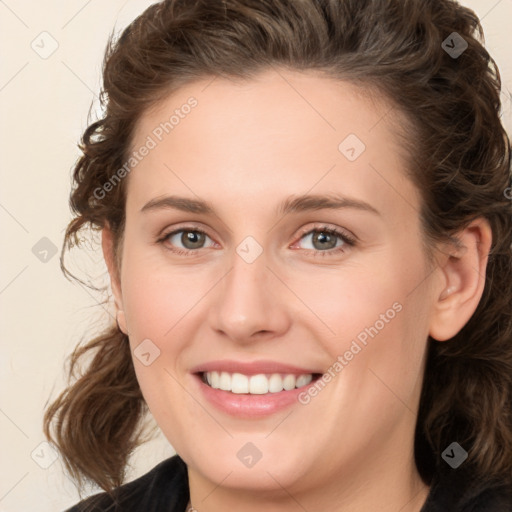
x=463, y=280
x=107, y=245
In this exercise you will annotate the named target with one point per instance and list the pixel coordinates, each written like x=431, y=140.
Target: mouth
x=259, y=384
x=252, y=389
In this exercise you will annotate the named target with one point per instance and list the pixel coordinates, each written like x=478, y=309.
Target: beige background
x=44, y=104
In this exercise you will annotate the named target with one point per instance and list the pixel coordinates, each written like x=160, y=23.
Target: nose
x=250, y=303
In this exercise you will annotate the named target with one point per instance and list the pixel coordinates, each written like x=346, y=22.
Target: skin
x=245, y=148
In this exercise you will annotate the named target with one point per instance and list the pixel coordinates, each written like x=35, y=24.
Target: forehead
x=269, y=103
x=284, y=131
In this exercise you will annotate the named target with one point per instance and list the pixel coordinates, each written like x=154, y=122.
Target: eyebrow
x=292, y=204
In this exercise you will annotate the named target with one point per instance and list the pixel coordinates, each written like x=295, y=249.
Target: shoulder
x=164, y=488
x=461, y=491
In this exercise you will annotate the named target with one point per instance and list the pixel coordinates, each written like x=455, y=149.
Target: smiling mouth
x=259, y=384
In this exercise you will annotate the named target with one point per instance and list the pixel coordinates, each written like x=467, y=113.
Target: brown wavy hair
x=459, y=158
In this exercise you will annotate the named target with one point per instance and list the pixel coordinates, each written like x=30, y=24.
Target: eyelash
x=348, y=240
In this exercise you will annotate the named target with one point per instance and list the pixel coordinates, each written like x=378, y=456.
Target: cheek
x=164, y=307
x=349, y=300
x=158, y=296
x=377, y=320
x=162, y=313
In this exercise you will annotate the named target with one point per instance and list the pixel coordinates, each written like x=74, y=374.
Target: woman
x=304, y=218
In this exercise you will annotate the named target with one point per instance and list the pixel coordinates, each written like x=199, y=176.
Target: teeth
x=239, y=383
x=275, y=383
x=256, y=384
x=289, y=382
x=302, y=380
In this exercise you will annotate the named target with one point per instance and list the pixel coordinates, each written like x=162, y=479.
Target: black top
x=165, y=489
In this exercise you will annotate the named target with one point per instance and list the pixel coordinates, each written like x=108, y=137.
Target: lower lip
x=250, y=406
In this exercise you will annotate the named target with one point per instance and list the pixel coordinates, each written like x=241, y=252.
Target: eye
x=190, y=238
x=327, y=240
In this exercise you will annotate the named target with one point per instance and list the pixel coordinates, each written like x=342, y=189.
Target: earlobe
x=463, y=281
x=121, y=321
x=107, y=245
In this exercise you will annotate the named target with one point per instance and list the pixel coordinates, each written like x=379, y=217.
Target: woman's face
x=258, y=167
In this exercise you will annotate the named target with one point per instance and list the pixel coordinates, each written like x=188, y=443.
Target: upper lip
x=250, y=368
